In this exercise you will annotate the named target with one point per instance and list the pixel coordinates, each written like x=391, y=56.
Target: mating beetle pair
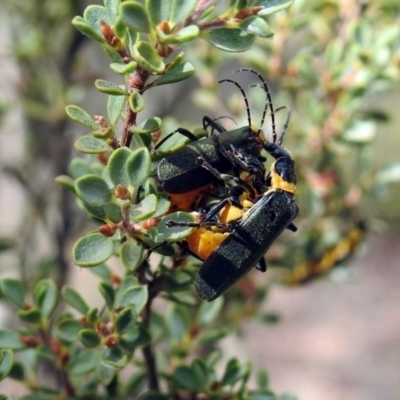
x=243, y=241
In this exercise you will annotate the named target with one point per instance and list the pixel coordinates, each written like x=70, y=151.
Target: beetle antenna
x=225, y=117
x=289, y=112
x=268, y=103
x=244, y=98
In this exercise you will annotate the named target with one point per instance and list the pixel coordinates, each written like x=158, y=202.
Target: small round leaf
x=109, y=88
x=234, y=40
x=89, y=337
x=138, y=166
x=115, y=106
x=117, y=166
x=148, y=126
x=271, y=7
x=68, y=329
x=93, y=190
x=134, y=296
x=88, y=144
x=158, y=10
x=6, y=363
x=79, y=115
x=10, y=340
x=92, y=250
x=74, y=299
x=147, y=57
x=135, y=16
x=145, y=209
x=125, y=320
x=45, y=294
x=13, y=291
x=131, y=254
x=136, y=102
x=173, y=234
x=181, y=10
x=85, y=361
x=84, y=27
x=32, y=316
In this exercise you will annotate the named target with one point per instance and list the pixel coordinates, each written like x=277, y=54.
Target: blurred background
x=338, y=337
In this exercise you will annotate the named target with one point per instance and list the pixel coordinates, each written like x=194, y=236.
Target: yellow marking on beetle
x=279, y=183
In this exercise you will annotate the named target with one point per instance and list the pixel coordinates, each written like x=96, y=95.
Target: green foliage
x=158, y=354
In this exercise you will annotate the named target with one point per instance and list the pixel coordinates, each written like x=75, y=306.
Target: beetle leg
x=182, y=131
x=262, y=265
x=292, y=227
x=215, y=126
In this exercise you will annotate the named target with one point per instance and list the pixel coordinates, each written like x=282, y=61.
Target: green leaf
x=93, y=190
x=273, y=6
x=89, y=338
x=117, y=166
x=234, y=40
x=234, y=372
x=109, y=88
x=90, y=145
x=135, y=382
x=84, y=27
x=181, y=10
x=92, y=316
x=6, y=363
x=92, y=250
x=163, y=206
x=145, y=209
x=256, y=26
x=176, y=73
x=115, y=106
x=212, y=336
x=74, y=299
x=203, y=373
x=134, y=15
x=94, y=14
x=45, y=294
x=150, y=125
x=125, y=320
x=178, y=318
x=113, y=212
x=209, y=311
x=147, y=57
x=17, y=371
x=178, y=281
x=176, y=233
x=136, y=296
x=68, y=329
x=136, y=337
x=81, y=116
x=185, y=377
x=79, y=167
x=85, y=361
x=262, y=379
x=105, y=373
x=136, y=102
x=10, y=340
x=138, y=166
x=131, y=254
x=182, y=36
x=108, y=293
x=31, y=316
x=122, y=68
x=13, y=291
x=112, y=8
x=157, y=10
